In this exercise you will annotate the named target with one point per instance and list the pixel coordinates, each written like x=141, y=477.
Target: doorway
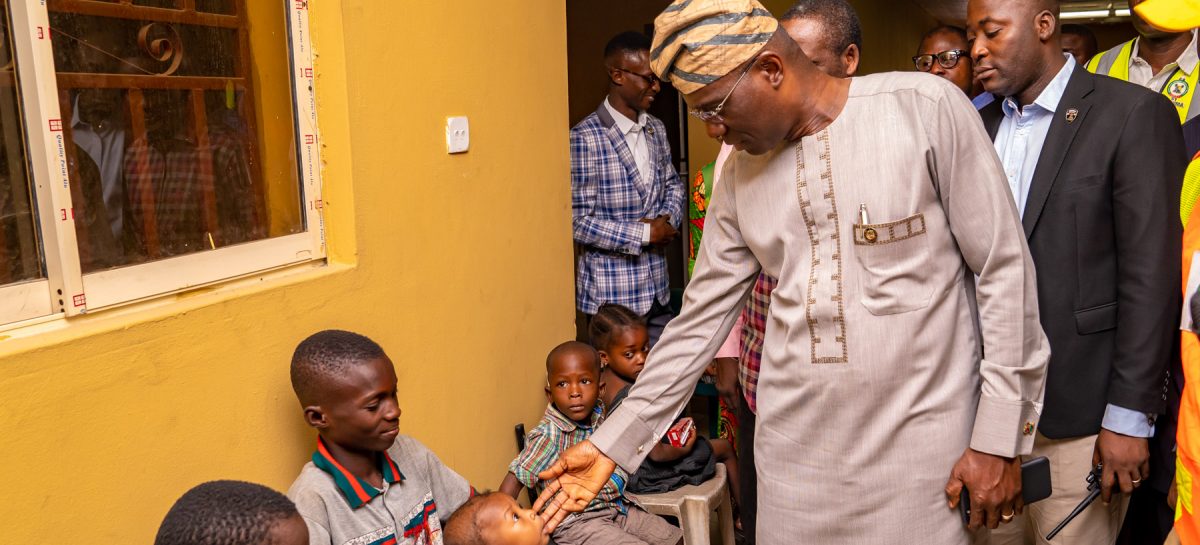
x=590, y=24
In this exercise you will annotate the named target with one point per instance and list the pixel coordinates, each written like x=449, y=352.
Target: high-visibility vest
x=1187, y=452
x=1180, y=89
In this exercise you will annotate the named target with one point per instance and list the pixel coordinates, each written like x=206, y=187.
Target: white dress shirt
x=1023, y=131
x=105, y=145
x=1019, y=144
x=639, y=147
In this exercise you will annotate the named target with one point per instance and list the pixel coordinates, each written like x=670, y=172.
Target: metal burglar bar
x=137, y=156
x=177, y=64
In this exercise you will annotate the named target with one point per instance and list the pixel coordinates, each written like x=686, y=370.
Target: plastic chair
x=693, y=505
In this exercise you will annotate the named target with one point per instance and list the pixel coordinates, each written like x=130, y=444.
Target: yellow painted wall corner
x=460, y=266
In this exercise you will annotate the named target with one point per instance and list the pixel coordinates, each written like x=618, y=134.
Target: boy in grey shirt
x=366, y=483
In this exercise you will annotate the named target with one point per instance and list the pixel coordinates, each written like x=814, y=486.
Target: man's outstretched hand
x=572, y=482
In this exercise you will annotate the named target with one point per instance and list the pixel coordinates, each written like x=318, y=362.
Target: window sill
x=49, y=331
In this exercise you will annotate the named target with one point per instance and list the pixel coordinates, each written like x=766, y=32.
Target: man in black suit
x=1095, y=167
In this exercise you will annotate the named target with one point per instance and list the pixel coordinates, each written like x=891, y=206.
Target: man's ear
x=548, y=398
x=850, y=58
x=315, y=417
x=1046, y=24
x=771, y=64
x=616, y=76
x=601, y=388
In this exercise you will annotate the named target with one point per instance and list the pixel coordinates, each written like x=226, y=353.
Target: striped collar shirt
x=417, y=491
x=554, y=434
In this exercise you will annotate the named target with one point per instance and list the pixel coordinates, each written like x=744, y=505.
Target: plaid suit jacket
x=609, y=197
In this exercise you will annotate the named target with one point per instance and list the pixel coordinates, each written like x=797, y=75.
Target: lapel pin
x=1072, y=114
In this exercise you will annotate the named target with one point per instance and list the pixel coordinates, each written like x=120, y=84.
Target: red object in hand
x=681, y=432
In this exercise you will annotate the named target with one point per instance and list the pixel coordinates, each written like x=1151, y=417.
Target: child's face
x=289, y=531
x=627, y=352
x=573, y=385
x=503, y=522
x=360, y=408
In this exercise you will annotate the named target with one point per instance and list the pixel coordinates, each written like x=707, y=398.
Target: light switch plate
x=458, y=135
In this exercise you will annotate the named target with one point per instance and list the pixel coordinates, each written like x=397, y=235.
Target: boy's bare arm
x=511, y=485
x=664, y=452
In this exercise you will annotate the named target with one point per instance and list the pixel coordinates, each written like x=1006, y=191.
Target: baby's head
x=494, y=519
x=232, y=513
x=621, y=338
x=573, y=380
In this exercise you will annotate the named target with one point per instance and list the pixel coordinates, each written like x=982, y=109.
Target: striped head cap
x=696, y=42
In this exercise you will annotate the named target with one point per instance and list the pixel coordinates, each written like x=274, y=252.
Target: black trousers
x=747, y=476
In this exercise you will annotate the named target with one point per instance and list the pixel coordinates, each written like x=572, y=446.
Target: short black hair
x=572, y=347
x=957, y=31
x=224, y=513
x=841, y=22
x=627, y=42
x=463, y=527
x=609, y=320
x=326, y=354
x=1083, y=32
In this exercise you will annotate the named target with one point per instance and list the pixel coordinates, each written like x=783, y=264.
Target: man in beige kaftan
x=874, y=201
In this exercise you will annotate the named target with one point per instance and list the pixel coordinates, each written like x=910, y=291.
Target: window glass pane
x=20, y=248
x=181, y=133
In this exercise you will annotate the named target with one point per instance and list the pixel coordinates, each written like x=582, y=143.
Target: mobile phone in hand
x=681, y=432
x=1035, y=486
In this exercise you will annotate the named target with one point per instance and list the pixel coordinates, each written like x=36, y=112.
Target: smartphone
x=681, y=432
x=1035, y=486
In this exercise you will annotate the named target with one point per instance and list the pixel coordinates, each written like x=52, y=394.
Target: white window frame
x=68, y=292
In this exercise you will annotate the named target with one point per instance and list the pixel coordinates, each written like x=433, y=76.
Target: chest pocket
x=893, y=257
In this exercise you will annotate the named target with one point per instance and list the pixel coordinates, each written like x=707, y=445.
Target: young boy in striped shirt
x=572, y=414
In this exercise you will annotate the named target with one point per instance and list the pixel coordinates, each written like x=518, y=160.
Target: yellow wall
x=458, y=265
x=891, y=32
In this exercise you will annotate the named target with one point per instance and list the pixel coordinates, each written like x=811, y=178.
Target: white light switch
x=458, y=135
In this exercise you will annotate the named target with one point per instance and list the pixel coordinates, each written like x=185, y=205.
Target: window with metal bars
x=150, y=146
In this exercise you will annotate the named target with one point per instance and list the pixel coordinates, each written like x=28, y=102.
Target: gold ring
x=1008, y=517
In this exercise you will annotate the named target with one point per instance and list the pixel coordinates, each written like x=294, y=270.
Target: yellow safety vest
x=1180, y=89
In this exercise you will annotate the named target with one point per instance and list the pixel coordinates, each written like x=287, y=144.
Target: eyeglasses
x=714, y=115
x=649, y=79
x=947, y=59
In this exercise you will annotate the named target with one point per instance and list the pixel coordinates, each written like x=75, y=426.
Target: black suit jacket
x=1102, y=219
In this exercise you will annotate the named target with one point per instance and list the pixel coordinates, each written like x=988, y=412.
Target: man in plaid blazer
x=626, y=196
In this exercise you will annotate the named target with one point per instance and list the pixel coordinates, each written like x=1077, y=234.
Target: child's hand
x=666, y=452
x=689, y=445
